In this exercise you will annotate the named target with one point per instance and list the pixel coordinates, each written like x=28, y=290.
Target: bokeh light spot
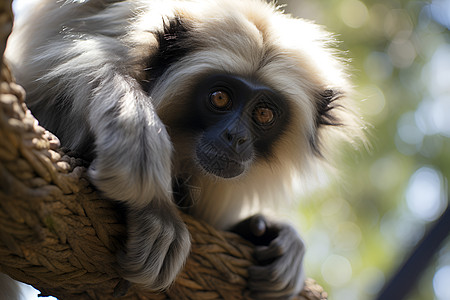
x=353, y=13
x=401, y=52
x=441, y=283
x=424, y=194
x=336, y=270
x=397, y=21
x=407, y=129
x=440, y=10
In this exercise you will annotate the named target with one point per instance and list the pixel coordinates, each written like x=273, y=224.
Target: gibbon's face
x=240, y=95
x=237, y=120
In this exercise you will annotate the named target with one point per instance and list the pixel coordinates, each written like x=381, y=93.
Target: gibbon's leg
x=279, y=253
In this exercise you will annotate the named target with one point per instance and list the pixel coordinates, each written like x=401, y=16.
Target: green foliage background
x=359, y=229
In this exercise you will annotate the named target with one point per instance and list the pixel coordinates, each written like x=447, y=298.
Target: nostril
x=234, y=139
x=241, y=141
x=229, y=136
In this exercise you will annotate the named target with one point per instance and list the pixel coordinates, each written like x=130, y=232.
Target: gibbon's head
x=245, y=89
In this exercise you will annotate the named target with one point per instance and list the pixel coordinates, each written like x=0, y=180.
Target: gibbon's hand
x=279, y=252
x=157, y=246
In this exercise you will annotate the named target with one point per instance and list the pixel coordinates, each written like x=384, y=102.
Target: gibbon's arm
x=79, y=87
x=134, y=167
x=60, y=236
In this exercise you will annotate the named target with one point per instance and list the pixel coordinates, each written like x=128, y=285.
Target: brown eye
x=220, y=99
x=263, y=115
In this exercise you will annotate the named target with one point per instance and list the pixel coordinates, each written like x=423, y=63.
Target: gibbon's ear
x=173, y=43
x=326, y=104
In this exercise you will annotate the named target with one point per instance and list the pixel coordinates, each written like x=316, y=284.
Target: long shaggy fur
x=111, y=78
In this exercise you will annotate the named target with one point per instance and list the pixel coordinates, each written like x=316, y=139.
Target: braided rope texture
x=59, y=235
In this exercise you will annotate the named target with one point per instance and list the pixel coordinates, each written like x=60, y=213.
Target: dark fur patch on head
x=326, y=102
x=172, y=45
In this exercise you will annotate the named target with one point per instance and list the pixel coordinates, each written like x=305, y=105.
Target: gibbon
x=209, y=106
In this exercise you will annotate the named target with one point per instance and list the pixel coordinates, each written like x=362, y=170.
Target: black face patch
x=237, y=121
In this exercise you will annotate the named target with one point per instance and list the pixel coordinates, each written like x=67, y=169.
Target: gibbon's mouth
x=219, y=164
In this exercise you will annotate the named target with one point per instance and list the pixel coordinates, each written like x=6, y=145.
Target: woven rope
x=59, y=235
